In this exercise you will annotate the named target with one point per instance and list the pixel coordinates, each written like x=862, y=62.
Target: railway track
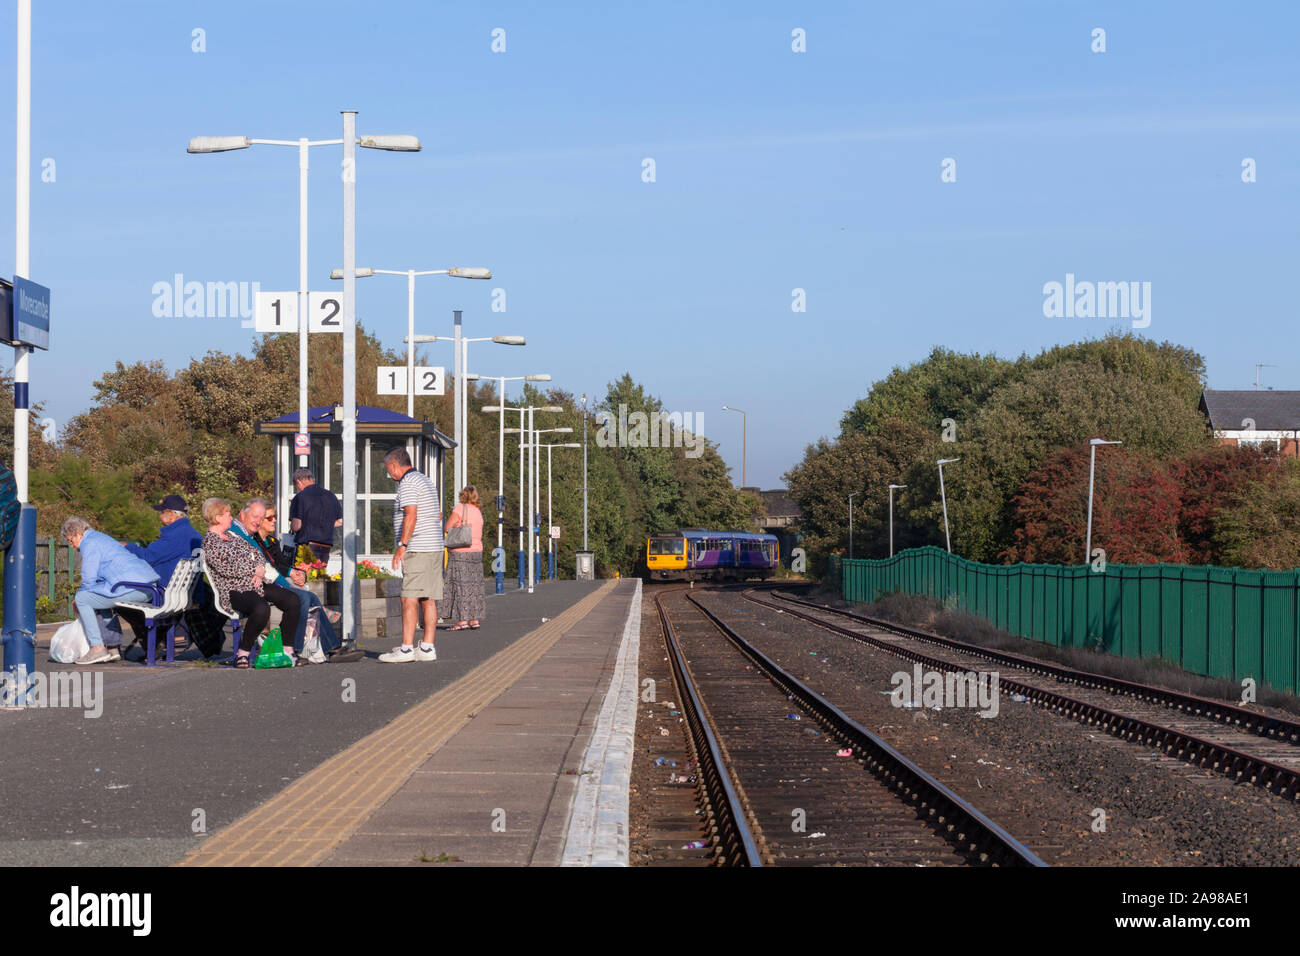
x=1245, y=745
x=786, y=778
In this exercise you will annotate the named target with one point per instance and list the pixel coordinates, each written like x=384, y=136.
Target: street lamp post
x=851, y=497
x=891, y=517
x=460, y=470
x=584, y=471
x=944, y=495
x=525, y=430
x=500, y=411
x=744, y=443
x=550, y=540
x=455, y=272
x=1092, y=464
x=223, y=144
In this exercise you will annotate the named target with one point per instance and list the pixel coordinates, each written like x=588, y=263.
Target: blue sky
x=774, y=170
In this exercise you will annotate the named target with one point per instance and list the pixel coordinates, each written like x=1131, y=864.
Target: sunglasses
x=269, y=518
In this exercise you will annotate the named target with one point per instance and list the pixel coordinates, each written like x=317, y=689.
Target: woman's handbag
x=461, y=536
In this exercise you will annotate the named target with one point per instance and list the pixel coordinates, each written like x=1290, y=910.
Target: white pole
x=1087, y=541
x=22, y=232
x=410, y=342
x=303, y=150
x=464, y=411
x=351, y=591
x=522, y=469
x=459, y=422
x=584, y=472
x=501, y=465
x=550, y=541
x=850, y=524
x=947, y=541
x=532, y=499
x=891, y=521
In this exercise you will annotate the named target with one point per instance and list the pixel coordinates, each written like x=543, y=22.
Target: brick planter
x=381, y=608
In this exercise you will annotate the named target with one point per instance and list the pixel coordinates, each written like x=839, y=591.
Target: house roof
x=777, y=505
x=1269, y=410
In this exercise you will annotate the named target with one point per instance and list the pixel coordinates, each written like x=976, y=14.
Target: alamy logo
x=655, y=430
x=76, y=690
x=1098, y=300
x=179, y=299
x=75, y=908
x=935, y=689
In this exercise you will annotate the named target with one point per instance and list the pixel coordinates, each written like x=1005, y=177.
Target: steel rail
x=954, y=817
x=1261, y=725
x=1180, y=744
x=726, y=813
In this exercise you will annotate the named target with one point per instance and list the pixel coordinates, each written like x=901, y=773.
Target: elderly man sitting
x=104, y=564
x=176, y=542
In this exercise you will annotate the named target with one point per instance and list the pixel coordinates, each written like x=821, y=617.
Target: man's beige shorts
x=422, y=575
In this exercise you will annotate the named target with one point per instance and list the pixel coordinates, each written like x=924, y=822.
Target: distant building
x=778, y=510
x=1258, y=418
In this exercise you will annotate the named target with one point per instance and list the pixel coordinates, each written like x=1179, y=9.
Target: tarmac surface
x=181, y=751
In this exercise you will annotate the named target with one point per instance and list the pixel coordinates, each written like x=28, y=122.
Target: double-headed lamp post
x=550, y=539
x=402, y=144
x=892, y=488
x=500, y=410
x=851, y=497
x=525, y=429
x=458, y=272
x=224, y=144
x=1092, y=465
x=461, y=345
x=744, y=443
x=944, y=495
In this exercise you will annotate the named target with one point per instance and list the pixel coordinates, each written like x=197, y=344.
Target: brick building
x=1254, y=417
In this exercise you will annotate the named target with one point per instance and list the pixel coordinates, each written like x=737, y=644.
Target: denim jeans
x=329, y=641
x=99, y=620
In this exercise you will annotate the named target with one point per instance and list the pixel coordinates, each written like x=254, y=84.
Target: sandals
x=243, y=662
x=460, y=627
x=475, y=627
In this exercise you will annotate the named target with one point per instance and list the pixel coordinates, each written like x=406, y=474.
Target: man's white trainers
x=423, y=653
x=402, y=654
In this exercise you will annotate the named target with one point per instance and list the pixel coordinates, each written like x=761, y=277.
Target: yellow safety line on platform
x=306, y=820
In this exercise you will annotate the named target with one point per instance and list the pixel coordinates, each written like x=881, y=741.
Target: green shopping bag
x=272, y=653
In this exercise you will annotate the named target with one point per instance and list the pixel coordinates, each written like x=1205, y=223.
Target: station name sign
x=24, y=313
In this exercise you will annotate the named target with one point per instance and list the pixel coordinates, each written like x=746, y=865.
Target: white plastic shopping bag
x=68, y=643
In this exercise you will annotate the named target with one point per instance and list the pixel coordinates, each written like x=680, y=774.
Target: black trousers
x=257, y=612
x=290, y=608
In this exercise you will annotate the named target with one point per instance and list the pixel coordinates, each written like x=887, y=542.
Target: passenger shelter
x=378, y=430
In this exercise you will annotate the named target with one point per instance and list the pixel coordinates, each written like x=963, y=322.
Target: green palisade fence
x=1216, y=622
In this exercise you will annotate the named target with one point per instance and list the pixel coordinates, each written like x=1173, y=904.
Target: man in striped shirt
x=417, y=525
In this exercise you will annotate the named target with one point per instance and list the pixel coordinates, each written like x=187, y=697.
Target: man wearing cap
x=176, y=542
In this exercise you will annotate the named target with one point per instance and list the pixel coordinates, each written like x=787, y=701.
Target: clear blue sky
x=775, y=171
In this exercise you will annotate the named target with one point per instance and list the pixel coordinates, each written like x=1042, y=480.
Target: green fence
x=1216, y=622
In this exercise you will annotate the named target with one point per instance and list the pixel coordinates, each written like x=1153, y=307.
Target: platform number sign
x=278, y=312
x=324, y=312
x=429, y=380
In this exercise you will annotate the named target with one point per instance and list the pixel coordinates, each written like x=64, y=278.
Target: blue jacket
x=237, y=528
x=176, y=542
x=104, y=563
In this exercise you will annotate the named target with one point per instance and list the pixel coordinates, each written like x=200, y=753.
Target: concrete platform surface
x=176, y=753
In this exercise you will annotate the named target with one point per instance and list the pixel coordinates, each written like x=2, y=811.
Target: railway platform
x=513, y=748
